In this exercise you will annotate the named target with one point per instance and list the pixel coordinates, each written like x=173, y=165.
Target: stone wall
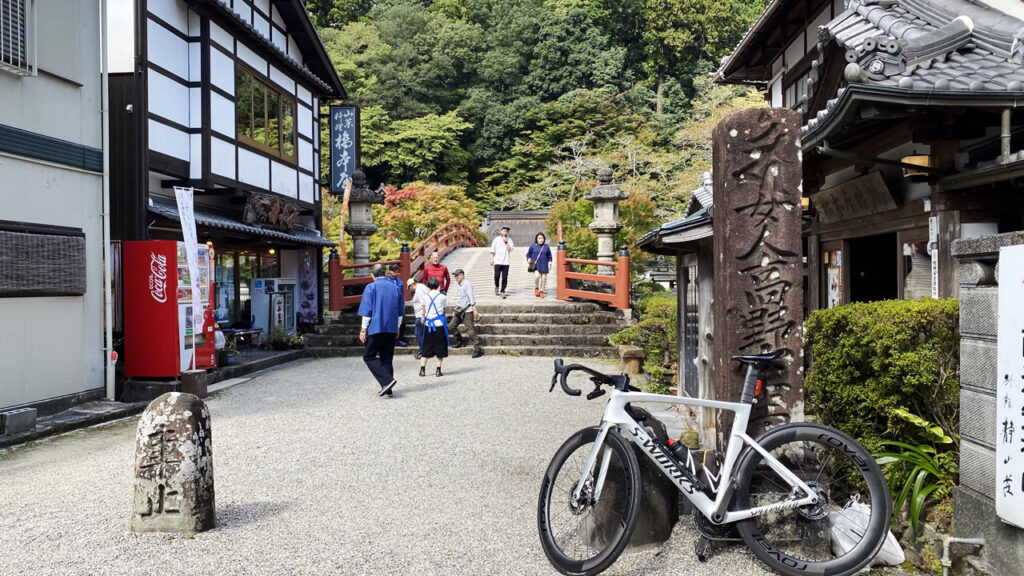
x=974, y=512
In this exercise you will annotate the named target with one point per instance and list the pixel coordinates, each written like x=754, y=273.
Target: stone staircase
x=577, y=329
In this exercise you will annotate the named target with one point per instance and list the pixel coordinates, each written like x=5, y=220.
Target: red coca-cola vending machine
x=159, y=336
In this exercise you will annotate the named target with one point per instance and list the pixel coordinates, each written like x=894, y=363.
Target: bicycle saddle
x=758, y=358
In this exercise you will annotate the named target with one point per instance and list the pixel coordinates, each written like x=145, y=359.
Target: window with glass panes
x=795, y=93
x=265, y=116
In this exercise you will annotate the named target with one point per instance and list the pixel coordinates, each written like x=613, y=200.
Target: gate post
x=561, y=282
x=334, y=287
x=622, y=280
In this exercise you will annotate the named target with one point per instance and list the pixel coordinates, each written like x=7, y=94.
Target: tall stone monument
x=174, y=467
x=758, y=283
x=360, y=221
x=606, y=197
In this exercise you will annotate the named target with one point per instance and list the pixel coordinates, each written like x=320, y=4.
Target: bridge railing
x=444, y=240
x=336, y=277
x=619, y=295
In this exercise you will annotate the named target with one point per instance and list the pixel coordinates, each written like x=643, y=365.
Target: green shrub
x=871, y=359
x=656, y=334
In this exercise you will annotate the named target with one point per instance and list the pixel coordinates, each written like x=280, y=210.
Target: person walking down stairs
x=538, y=261
x=465, y=313
x=501, y=259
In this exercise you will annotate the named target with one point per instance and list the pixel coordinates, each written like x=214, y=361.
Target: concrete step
x=558, y=328
x=514, y=340
x=553, y=352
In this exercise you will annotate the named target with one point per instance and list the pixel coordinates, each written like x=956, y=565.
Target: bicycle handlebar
x=620, y=381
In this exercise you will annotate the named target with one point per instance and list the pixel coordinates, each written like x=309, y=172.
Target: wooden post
x=337, y=291
x=622, y=280
x=404, y=268
x=561, y=282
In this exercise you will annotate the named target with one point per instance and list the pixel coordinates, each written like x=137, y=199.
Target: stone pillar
x=360, y=220
x=758, y=282
x=174, y=467
x=606, y=197
x=974, y=499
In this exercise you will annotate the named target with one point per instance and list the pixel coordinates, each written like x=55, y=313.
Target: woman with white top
x=435, y=326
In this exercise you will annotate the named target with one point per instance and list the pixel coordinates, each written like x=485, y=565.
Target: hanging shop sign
x=272, y=211
x=344, y=146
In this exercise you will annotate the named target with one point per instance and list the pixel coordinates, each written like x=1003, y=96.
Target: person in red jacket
x=437, y=270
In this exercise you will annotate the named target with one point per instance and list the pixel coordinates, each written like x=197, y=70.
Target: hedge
x=656, y=333
x=870, y=358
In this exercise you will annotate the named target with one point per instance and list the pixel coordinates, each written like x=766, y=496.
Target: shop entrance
x=874, y=273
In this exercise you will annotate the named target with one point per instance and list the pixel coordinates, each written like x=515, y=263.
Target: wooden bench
x=250, y=337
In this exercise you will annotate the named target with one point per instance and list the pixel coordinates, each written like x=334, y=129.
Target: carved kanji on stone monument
x=174, y=467
x=758, y=267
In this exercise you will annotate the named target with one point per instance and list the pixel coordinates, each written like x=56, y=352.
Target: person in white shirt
x=465, y=313
x=501, y=258
x=419, y=295
x=435, y=337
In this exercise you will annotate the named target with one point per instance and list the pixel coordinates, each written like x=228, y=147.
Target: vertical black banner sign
x=344, y=146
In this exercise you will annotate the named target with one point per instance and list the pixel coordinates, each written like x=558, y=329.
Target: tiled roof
x=925, y=46
x=698, y=213
x=167, y=208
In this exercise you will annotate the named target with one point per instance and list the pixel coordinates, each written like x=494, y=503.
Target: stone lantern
x=606, y=197
x=360, y=220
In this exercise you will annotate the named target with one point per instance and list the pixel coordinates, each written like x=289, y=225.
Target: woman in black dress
x=435, y=327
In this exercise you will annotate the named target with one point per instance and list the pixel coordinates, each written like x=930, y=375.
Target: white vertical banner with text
x=1010, y=388
x=186, y=214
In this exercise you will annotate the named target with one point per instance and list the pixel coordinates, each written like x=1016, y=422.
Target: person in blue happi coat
x=381, y=308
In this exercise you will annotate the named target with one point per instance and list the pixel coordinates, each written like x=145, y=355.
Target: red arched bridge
x=346, y=287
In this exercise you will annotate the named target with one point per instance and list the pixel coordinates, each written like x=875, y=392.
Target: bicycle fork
x=602, y=433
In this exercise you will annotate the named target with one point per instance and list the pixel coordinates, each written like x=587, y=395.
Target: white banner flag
x=188, y=231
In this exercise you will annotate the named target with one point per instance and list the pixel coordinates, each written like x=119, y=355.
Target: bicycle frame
x=615, y=415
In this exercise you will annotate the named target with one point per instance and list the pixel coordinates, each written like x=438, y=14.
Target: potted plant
x=297, y=343
x=279, y=339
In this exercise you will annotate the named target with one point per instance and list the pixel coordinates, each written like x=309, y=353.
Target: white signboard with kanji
x=1010, y=388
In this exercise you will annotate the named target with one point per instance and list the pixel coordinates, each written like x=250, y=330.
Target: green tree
x=337, y=13
x=425, y=148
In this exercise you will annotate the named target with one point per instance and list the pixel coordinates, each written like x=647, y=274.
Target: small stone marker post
x=174, y=467
x=758, y=304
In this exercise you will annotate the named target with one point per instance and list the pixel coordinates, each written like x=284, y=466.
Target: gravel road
x=315, y=474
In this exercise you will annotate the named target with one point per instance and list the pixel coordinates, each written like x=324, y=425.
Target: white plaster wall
x=121, y=35
x=39, y=362
x=222, y=157
x=195, y=62
x=307, y=190
x=306, y=155
x=195, y=165
x=222, y=71
x=68, y=28
x=261, y=24
x=282, y=80
x=195, y=107
x=303, y=95
x=776, y=92
x=795, y=50
x=243, y=11
x=305, y=121
x=293, y=50
x=166, y=49
x=275, y=15
x=222, y=37
x=173, y=12
x=222, y=115
x=283, y=179
x=279, y=39
x=168, y=98
x=253, y=169
x=263, y=5
x=249, y=57
x=167, y=140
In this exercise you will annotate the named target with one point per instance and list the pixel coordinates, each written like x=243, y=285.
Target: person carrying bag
x=538, y=258
x=435, y=337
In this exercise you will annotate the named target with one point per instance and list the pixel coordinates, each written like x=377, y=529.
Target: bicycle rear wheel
x=814, y=539
x=581, y=535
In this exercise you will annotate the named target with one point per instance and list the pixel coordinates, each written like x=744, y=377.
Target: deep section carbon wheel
x=583, y=532
x=820, y=538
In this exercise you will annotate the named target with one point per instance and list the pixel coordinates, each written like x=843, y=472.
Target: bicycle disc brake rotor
x=579, y=506
x=815, y=511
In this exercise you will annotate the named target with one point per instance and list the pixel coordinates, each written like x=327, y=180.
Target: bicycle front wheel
x=838, y=535
x=585, y=534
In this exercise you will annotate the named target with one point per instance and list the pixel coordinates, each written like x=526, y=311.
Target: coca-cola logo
x=158, y=277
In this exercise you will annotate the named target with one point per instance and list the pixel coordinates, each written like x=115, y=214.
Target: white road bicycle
x=778, y=492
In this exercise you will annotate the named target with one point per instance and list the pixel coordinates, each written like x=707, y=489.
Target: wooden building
x=911, y=136
x=224, y=97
